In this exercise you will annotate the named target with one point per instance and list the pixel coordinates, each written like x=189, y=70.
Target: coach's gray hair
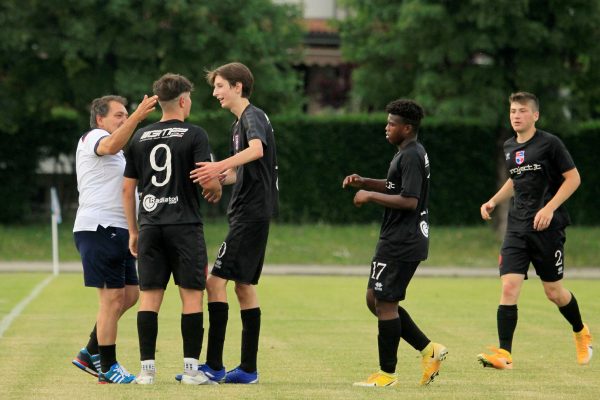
x=101, y=105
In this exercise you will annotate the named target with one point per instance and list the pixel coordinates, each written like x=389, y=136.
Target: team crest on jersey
x=520, y=157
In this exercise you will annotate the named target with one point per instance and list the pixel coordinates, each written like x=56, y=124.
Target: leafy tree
x=57, y=55
x=464, y=57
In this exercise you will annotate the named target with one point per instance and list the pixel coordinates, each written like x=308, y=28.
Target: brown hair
x=233, y=73
x=101, y=106
x=169, y=86
x=525, y=97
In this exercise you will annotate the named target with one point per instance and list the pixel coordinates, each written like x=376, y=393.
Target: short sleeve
x=91, y=140
x=201, y=146
x=412, y=174
x=255, y=127
x=561, y=156
x=130, y=168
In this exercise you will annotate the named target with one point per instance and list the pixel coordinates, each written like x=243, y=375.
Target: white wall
x=317, y=8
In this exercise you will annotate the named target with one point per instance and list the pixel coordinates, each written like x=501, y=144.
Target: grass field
x=319, y=244
x=317, y=338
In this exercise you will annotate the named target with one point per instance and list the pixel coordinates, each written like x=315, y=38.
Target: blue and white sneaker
x=238, y=375
x=87, y=362
x=213, y=375
x=116, y=374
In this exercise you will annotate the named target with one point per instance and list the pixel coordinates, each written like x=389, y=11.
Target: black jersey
x=255, y=195
x=536, y=169
x=160, y=156
x=404, y=234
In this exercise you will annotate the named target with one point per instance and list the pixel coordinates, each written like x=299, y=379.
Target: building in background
x=327, y=78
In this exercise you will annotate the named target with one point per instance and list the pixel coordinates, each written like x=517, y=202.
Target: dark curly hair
x=409, y=110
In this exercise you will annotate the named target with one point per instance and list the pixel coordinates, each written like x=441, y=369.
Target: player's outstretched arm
x=115, y=142
x=353, y=180
x=212, y=170
x=129, y=186
x=357, y=181
x=505, y=193
x=387, y=200
x=543, y=218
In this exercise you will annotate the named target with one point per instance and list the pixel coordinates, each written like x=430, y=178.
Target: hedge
x=584, y=205
x=315, y=153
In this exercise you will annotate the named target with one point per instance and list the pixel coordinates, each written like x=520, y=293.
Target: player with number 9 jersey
x=160, y=157
x=170, y=239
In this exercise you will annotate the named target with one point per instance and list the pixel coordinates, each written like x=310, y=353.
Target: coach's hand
x=133, y=244
x=147, y=106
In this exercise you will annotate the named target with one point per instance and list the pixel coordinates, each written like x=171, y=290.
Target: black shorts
x=242, y=254
x=389, y=279
x=172, y=249
x=107, y=262
x=544, y=249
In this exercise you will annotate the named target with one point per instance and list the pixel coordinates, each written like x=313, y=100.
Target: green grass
x=318, y=244
x=316, y=339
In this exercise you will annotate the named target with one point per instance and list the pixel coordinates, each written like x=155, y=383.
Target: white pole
x=54, y=244
x=56, y=219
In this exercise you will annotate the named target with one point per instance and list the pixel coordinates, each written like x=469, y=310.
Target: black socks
x=218, y=314
x=411, y=332
x=388, y=340
x=92, y=346
x=147, y=324
x=250, y=334
x=572, y=314
x=192, y=333
x=108, y=356
x=507, y=323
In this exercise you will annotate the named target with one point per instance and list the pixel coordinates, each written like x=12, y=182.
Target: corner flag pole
x=56, y=219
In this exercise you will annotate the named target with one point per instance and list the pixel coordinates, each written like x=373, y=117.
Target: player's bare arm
x=543, y=218
x=129, y=200
x=387, y=200
x=115, y=142
x=357, y=181
x=212, y=170
x=505, y=193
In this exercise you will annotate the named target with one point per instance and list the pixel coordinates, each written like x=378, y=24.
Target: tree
x=462, y=58
x=57, y=55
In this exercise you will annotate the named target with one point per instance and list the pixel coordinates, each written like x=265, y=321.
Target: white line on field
x=16, y=311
